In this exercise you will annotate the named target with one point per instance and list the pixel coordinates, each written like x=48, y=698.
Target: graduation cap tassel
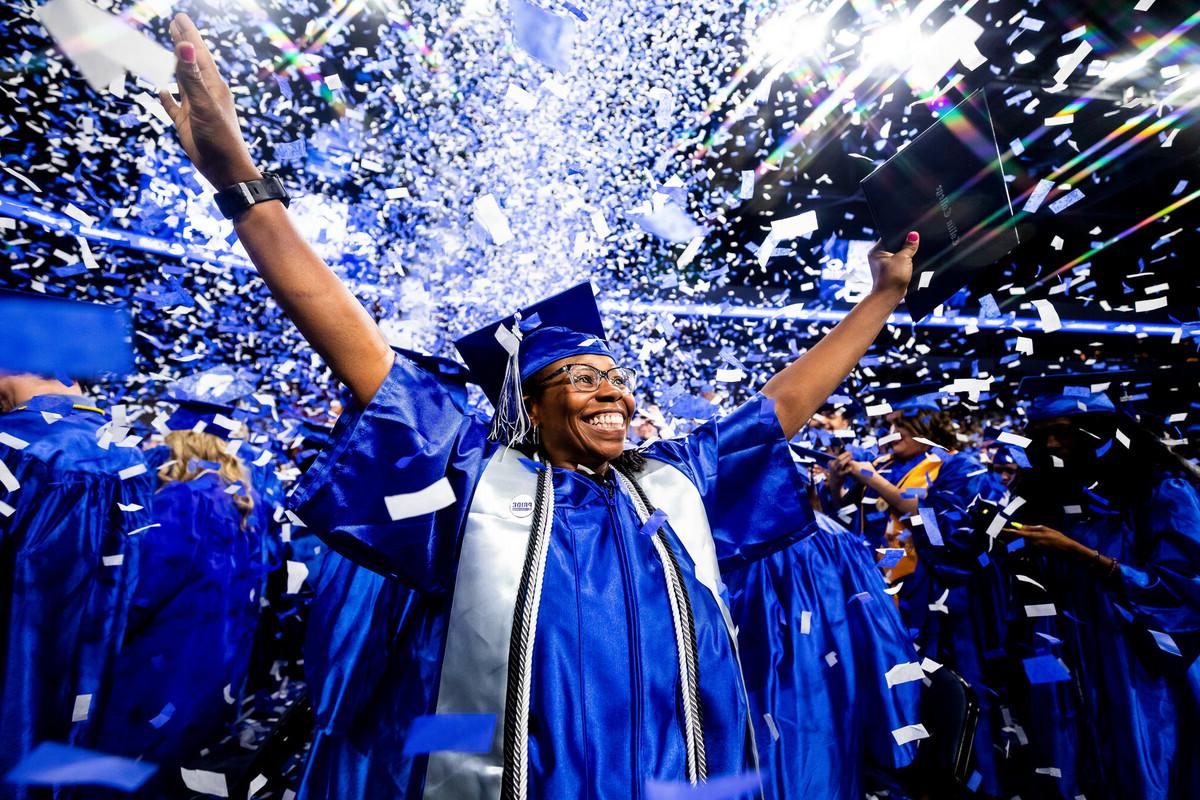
x=510, y=423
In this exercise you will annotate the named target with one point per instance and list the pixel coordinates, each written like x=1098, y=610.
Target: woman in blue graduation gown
x=817, y=636
x=571, y=599
x=1106, y=620
x=187, y=648
x=69, y=547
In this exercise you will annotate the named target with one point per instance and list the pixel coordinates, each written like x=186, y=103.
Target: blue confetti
x=729, y=787
x=54, y=764
x=654, y=522
x=460, y=733
x=1046, y=669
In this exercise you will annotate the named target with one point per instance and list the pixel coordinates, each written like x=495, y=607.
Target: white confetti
x=904, y=673
x=1047, y=315
x=492, y=219
x=83, y=706
x=296, y=573
x=205, y=782
x=910, y=733
x=436, y=496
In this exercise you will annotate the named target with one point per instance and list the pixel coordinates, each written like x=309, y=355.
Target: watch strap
x=233, y=201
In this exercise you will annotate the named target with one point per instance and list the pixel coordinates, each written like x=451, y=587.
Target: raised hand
x=891, y=272
x=205, y=117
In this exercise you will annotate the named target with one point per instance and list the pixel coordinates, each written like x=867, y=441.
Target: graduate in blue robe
x=605, y=669
x=70, y=515
x=556, y=599
x=179, y=677
x=1105, y=625
x=817, y=636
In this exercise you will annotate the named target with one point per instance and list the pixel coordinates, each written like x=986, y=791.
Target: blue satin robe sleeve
x=411, y=435
x=743, y=468
x=351, y=629
x=1160, y=585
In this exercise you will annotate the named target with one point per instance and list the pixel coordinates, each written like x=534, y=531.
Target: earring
x=535, y=435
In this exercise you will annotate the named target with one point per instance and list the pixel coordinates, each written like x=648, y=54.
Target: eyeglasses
x=586, y=378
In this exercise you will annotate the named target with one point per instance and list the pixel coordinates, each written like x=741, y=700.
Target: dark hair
x=936, y=426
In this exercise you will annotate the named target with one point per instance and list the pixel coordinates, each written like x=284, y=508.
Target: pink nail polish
x=913, y=236
x=187, y=51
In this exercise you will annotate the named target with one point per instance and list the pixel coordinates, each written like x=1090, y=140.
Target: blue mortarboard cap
x=1071, y=402
x=570, y=324
x=505, y=353
x=53, y=337
x=214, y=418
x=544, y=346
x=931, y=401
x=222, y=385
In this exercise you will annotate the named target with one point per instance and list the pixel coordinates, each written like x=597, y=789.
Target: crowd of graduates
x=983, y=603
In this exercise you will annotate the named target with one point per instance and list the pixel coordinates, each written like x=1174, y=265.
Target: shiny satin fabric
x=351, y=651
x=1127, y=723
x=63, y=610
x=827, y=722
x=604, y=705
x=191, y=627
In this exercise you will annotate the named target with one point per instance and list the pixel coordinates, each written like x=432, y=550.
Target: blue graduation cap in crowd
x=218, y=419
x=207, y=401
x=504, y=354
x=915, y=397
x=1066, y=395
x=54, y=337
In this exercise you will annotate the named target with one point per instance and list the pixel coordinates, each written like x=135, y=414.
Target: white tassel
x=510, y=423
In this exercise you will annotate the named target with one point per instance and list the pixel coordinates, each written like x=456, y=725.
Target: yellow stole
x=921, y=476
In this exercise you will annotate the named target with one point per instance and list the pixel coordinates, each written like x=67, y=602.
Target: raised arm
x=800, y=388
x=329, y=316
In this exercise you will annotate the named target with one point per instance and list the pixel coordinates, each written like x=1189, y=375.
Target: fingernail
x=913, y=236
x=187, y=51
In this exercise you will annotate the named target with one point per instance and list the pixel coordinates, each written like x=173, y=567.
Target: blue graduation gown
x=604, y=658
x=62, y=610
x=191, y=627
x=968, y=633
x=1126, y=722
x=822, y=595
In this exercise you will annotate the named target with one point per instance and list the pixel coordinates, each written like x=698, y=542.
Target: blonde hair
x=188, y=447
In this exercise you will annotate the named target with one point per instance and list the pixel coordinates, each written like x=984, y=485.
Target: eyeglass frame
x=602, y=373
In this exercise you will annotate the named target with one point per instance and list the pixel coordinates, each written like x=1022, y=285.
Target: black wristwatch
x=234, y=200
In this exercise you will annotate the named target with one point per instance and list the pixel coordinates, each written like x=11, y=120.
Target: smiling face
x=580, y=428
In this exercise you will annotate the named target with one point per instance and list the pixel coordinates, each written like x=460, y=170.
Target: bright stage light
x=924, y=58
x=792, y=33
